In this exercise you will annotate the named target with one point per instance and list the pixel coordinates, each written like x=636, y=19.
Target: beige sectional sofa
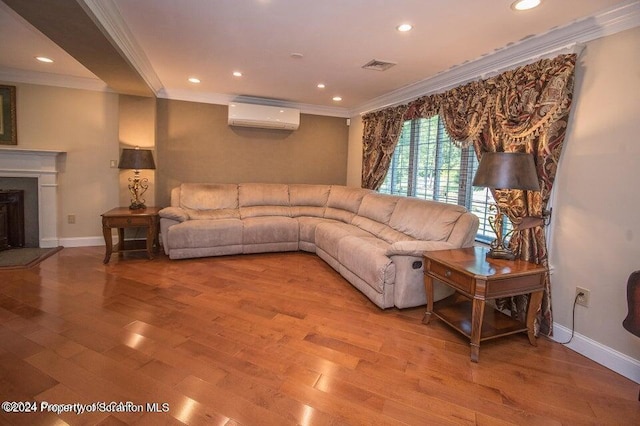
x=374, y=241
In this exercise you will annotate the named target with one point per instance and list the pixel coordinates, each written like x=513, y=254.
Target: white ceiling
x=172, y=40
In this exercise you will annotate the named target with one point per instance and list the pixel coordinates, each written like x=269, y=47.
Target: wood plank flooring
x=269, y=339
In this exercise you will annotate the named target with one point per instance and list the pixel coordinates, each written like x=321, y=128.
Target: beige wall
x=192, y=142
x=195, y=144
x=85, y=125
x=595, y=239
x=137, y=128
x=596, y=234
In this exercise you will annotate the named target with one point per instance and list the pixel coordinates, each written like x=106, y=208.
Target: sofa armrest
x=174, y=213
x=417, y=247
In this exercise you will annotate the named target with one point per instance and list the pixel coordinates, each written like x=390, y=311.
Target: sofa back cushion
x=263, y=199
x=209, y=201
x=344, y=202
x=378, y=207
x=204, y=196
x=374, y=214
x=425, y=219
x=308, y=200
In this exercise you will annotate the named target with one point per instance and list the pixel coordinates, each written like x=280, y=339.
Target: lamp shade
x=136, y=159
x=507, y=170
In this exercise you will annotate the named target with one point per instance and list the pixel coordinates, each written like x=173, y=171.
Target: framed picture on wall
x=8, y=130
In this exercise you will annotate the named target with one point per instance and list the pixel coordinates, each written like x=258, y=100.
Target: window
x=427, y=164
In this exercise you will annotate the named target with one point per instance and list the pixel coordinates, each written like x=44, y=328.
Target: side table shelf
x=457, y=311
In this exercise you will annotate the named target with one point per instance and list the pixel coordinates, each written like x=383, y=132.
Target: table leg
x=428, y=289
x=151, y=231
x=108, y=241
x=156, y=236
x=477, y=316
x=534, y=306
x=120, y=241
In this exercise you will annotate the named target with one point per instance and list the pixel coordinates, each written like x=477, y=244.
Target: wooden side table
x=123, y=217
x=477, y=279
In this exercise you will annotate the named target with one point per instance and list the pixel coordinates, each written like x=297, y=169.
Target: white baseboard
x=604, y=355
x=83, y=241
x=49, y=242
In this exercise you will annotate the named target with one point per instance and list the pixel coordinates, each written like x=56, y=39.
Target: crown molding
x=565, y=39
x=49, y=79
x=569, y=38
x=223, y=99
x=108, y=16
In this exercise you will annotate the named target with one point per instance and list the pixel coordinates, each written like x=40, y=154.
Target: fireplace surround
x=43, y=165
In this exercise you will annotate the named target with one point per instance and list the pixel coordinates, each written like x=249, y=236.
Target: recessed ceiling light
x=194, y=80
x=525, y=4
x=44, y=59
x=337, y=98
x=237, y=74
x=403, y=28
x=321, y=86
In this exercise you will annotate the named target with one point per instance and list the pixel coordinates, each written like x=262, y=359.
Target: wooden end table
x=477, y=279
x=123, y=217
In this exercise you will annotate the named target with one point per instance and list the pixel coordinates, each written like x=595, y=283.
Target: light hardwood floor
x=270, y=339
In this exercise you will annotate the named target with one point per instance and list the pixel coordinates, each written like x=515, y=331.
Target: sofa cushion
x=344, y=202
x=263, y=199
x=391, y=236
x=205, y=233
x=308, y=195
x=263, y=194
x=329, y=234
x=308, y=200
x=262, y=230
x=203, y=196
x=308, y=227
x=378, y=207
x=424, y=219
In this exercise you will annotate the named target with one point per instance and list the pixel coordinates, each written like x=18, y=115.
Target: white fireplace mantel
x=43, y=165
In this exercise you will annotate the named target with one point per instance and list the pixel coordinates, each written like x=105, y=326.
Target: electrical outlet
x=582, y=299
x=71, y=219
x=113, y=164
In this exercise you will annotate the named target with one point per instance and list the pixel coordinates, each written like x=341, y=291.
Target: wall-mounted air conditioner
x=263, y=116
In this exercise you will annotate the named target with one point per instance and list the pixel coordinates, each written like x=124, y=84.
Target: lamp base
x=501, y=253
x=137, y=206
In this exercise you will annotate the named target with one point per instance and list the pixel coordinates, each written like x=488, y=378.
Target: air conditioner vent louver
x=378, y=65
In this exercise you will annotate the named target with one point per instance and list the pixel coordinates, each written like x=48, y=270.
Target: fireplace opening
x=19, y=212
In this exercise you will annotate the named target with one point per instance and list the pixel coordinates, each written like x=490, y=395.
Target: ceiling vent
x=378, y=65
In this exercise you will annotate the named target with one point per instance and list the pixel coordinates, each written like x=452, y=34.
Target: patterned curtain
x=379, y=140
x=529, y=113
x=522, y=110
